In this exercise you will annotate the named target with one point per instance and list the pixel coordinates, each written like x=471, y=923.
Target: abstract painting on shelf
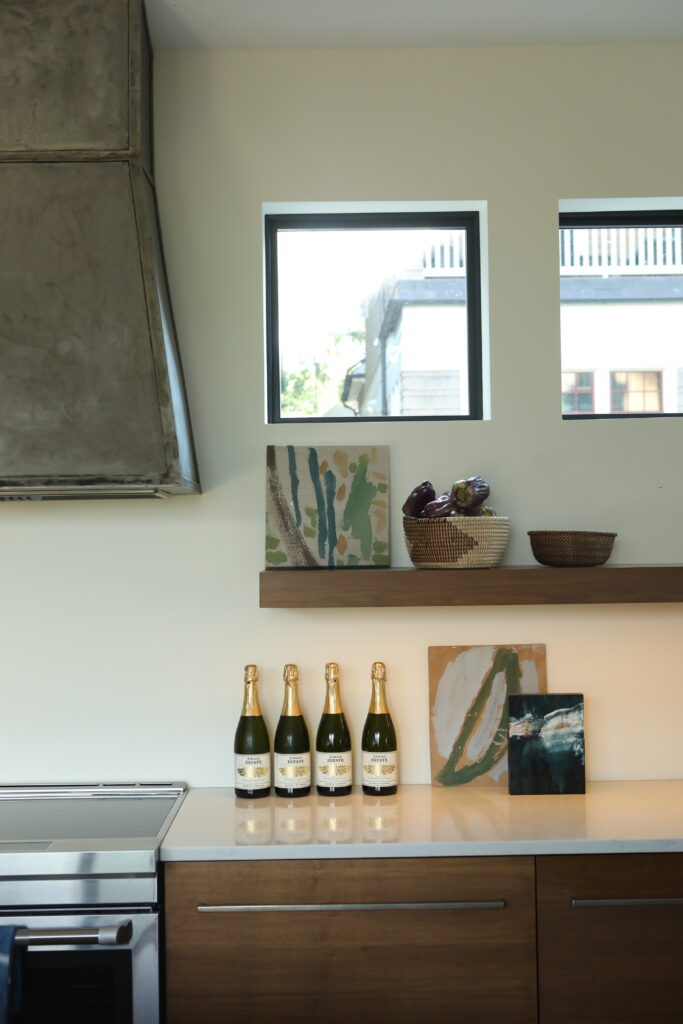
x=546, y=743
x=327, y=506
x=468, y=699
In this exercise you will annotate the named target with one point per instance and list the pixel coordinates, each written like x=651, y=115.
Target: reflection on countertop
x=426, y=821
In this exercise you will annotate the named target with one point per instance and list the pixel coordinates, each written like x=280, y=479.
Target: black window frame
x=617, y=219
x=467, y=220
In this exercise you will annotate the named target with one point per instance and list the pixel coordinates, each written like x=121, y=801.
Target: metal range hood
x=92, y=399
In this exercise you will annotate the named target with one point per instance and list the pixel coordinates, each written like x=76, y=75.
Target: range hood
x=92, y=398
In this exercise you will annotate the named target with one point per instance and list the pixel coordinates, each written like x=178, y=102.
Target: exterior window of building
x=621, y=289
x=373, y=316
x=577, y=392
x=636, y=391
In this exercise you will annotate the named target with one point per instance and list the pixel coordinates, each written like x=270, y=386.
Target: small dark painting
x=546, y=747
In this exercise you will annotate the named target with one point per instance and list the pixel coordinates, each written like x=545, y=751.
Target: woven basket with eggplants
x=456, y=530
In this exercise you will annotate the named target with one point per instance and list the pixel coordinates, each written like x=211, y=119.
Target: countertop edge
x=356, y=851
x=638, y=816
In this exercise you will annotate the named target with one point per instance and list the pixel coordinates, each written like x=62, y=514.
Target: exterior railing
x=623, y=250
x=446, y=256
x=583, y=251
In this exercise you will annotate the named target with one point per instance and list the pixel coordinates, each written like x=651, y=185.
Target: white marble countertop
x=422, y=821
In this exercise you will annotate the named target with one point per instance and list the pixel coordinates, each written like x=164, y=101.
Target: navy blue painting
x=546, y=747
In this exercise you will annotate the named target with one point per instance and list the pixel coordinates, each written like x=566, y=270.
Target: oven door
x=99, y=966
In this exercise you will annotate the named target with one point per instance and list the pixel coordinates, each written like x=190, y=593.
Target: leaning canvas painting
x=546, y=743
x=327, y=506
x=468, y=691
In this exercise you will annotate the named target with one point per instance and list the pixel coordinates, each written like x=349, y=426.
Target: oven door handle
x=110, y=935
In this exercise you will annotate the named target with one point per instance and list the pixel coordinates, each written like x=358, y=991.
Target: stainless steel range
x=78, y=879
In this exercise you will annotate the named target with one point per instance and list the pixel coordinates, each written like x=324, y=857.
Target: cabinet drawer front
x=610, y=939
x=400, y=880
x=410, y=940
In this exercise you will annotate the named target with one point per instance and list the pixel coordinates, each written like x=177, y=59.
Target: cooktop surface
x=50, y=813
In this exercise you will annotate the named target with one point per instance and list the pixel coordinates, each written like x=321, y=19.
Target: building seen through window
x=621, y=288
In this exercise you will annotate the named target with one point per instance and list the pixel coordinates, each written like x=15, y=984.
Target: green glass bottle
x=292, y=746
x=380, y=769
x=252, y=745
x=333, y=765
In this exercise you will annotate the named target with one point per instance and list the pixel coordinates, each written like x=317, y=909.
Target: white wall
x=125, y=625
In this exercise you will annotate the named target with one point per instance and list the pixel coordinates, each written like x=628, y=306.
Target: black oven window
x=83, y=987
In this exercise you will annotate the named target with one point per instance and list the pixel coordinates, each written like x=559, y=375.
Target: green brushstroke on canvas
x=330, y=483
x=506, y=661
x=314, y=470
x=356, y=518
x=276, y=557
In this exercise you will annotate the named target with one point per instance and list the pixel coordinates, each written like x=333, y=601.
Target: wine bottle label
x=379, y=768
x=293, y=771
x=252, y=771
x=333, y=769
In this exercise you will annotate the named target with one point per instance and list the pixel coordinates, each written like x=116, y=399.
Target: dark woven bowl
x=567, y=548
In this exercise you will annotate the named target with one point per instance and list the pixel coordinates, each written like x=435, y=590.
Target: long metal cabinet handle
x=645, y=901
x=269, y=908
x=110, y=935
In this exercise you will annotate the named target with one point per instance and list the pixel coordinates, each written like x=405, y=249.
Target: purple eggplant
x=480, y=510
x=469, y=493
x=418, y=498
x=441, y=508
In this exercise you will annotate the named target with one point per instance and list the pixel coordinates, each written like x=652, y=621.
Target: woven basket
x=460, y=542
x=571, y=548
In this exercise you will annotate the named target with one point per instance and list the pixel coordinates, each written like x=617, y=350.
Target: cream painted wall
x=126, y=624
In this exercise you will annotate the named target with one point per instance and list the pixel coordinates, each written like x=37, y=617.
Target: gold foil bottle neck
x=251, y=707
x=378, y=700
x=333, y=705
x=291, y=702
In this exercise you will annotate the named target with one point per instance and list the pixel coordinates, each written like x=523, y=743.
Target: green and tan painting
x=327, y=506
x=468, y=700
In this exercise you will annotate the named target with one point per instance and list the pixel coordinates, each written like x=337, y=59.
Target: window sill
x=509, y=585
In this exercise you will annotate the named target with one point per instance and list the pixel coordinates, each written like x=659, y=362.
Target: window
x=373, y=315
x=577, y=392
x=621, y=288
x=636, y=391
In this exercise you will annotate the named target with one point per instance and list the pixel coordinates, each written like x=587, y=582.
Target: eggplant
x=417, y=499
x=440, y=508
x=469, y=493
x=480, y=510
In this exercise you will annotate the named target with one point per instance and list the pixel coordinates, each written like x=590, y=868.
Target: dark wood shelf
x=525, y=584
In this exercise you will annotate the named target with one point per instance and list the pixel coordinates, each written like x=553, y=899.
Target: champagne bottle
x=380, y=775
x=292, y=746
x=333, y=742
x=252, y=745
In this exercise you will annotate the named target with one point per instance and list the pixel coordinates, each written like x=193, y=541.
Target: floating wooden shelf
x=526, y=584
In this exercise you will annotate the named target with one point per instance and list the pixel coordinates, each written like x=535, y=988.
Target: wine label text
x=292, y=771
x=380, y=768
x=252, y=771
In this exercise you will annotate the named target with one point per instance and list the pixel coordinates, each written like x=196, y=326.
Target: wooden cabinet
x=610, y=939
x=402, y=940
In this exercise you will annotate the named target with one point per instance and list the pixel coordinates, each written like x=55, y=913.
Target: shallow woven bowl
x=461, y=542
x=571, y=548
